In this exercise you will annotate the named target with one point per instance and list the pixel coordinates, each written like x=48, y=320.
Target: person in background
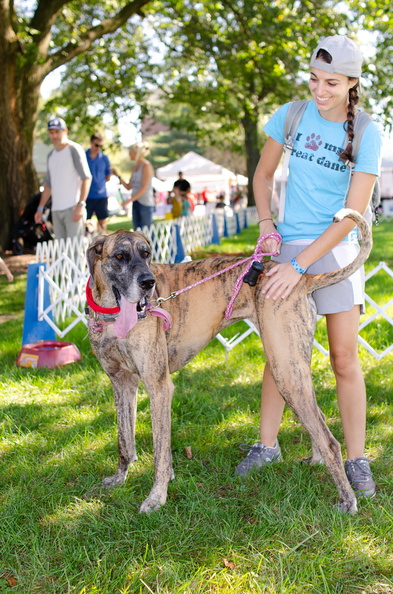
x=319, y=184
x=4, y=268
x=68, y=180
x=185, y=190
x=140, y=184
x=204, y=196
x=97, y=199
x=181, y=189
x=221, y=201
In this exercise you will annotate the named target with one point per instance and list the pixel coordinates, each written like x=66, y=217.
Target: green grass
x=276, y=532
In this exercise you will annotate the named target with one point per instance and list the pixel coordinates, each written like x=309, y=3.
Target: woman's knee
x=344, y=361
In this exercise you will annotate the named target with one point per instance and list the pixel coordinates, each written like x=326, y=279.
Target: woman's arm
x=284, y=277
x=125, y=185
x=359, y=196
x=263, y=184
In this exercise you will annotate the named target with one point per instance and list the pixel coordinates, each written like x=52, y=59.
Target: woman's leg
x=267, y=451
x=136, y=219
x=272, y=408
x=146, y=215
x=343, y=330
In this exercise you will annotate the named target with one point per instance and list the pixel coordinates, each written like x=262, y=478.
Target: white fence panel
x=163, y=242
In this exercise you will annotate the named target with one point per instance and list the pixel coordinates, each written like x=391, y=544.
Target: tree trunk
x=18, y=114
x=251, y=141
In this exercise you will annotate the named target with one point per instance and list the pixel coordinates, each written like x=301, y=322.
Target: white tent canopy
x=201, y=173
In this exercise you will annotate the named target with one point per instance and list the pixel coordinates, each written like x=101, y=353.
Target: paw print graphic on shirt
x=313, y=142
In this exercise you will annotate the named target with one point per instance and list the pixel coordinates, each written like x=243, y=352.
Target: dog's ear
x=95, y=251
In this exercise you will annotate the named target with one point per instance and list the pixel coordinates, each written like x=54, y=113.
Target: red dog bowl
x=48, y=353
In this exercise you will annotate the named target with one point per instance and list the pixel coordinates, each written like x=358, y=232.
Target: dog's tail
x=318, y=281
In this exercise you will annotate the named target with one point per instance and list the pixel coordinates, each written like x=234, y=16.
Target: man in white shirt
x=68, y=181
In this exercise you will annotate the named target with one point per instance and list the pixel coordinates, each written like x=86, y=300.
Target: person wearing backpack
x=319, y=184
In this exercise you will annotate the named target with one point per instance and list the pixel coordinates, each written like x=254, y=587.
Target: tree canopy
x=229, y=62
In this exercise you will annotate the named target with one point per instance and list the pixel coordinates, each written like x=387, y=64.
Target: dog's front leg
x=161, y=392
x=125, y=387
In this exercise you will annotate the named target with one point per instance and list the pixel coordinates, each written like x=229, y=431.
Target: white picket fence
x=65, y=273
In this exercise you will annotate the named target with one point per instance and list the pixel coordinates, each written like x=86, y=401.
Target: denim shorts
x=343, y=295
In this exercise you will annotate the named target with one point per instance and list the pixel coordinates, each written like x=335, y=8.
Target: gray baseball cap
x=346, y=56
x=57, y=124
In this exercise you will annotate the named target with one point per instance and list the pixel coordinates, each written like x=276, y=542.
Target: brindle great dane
x=137, y=347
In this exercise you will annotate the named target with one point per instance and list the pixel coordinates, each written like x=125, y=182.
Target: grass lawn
x=273, y=532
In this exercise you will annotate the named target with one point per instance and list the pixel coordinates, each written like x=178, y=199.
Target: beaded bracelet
x=297, y=266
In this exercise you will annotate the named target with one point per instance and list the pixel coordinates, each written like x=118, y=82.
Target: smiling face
x=330, y=92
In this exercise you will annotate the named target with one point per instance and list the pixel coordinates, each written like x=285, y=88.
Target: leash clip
x=160, y=300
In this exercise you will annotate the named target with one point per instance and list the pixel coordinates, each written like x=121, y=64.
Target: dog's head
x=119, y=264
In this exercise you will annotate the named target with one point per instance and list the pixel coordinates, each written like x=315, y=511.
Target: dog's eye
x=119, y=257
x=145, y=254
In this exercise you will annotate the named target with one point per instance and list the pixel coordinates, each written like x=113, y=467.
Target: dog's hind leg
x=161, y=392
x=125, y=387
x=301, y=399
x=288, y=346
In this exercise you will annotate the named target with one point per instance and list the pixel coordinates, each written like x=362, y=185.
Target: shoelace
x=245, y=447
x=360, y=471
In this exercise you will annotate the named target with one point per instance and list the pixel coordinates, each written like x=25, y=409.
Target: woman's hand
x=269, y=245
x=283, y=278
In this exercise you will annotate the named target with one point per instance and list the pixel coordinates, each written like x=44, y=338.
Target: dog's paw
x=150, y=505
x=347, y=506
x=115, y=480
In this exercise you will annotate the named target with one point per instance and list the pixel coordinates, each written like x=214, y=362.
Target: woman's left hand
x=283, y=278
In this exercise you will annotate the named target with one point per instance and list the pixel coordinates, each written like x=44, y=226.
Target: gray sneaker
x=360, y=476
x=258, y=456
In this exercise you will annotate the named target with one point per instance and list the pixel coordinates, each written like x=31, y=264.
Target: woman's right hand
x=270, y=244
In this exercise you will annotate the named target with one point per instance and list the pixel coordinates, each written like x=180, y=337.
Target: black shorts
x=97, y=206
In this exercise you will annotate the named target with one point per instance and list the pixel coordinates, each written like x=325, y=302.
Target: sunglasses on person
x=98, y=145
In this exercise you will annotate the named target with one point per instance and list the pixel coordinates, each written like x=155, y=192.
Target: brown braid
x=353, y=99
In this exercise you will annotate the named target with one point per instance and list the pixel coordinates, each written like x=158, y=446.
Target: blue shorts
x=99, y=206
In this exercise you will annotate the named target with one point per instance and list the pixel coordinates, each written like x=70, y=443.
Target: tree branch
x=71, y=50
x=45, y=15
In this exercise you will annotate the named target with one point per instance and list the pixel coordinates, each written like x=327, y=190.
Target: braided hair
x=353, y=99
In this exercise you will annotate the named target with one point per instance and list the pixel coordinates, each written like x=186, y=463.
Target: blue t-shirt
x=317, y=180
x=100, y=168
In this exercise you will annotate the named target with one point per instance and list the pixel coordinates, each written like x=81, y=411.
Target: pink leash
x=257, y=255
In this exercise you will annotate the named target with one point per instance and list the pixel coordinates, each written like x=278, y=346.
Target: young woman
x=140, y=185
x=318, y=186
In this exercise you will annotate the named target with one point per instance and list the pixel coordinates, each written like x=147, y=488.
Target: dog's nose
x=146, y=281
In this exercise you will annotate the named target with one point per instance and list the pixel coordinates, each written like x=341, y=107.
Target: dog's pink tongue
x=126, y=319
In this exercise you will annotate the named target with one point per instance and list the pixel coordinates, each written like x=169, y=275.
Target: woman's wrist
x=267, y=219
x=297, y=266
